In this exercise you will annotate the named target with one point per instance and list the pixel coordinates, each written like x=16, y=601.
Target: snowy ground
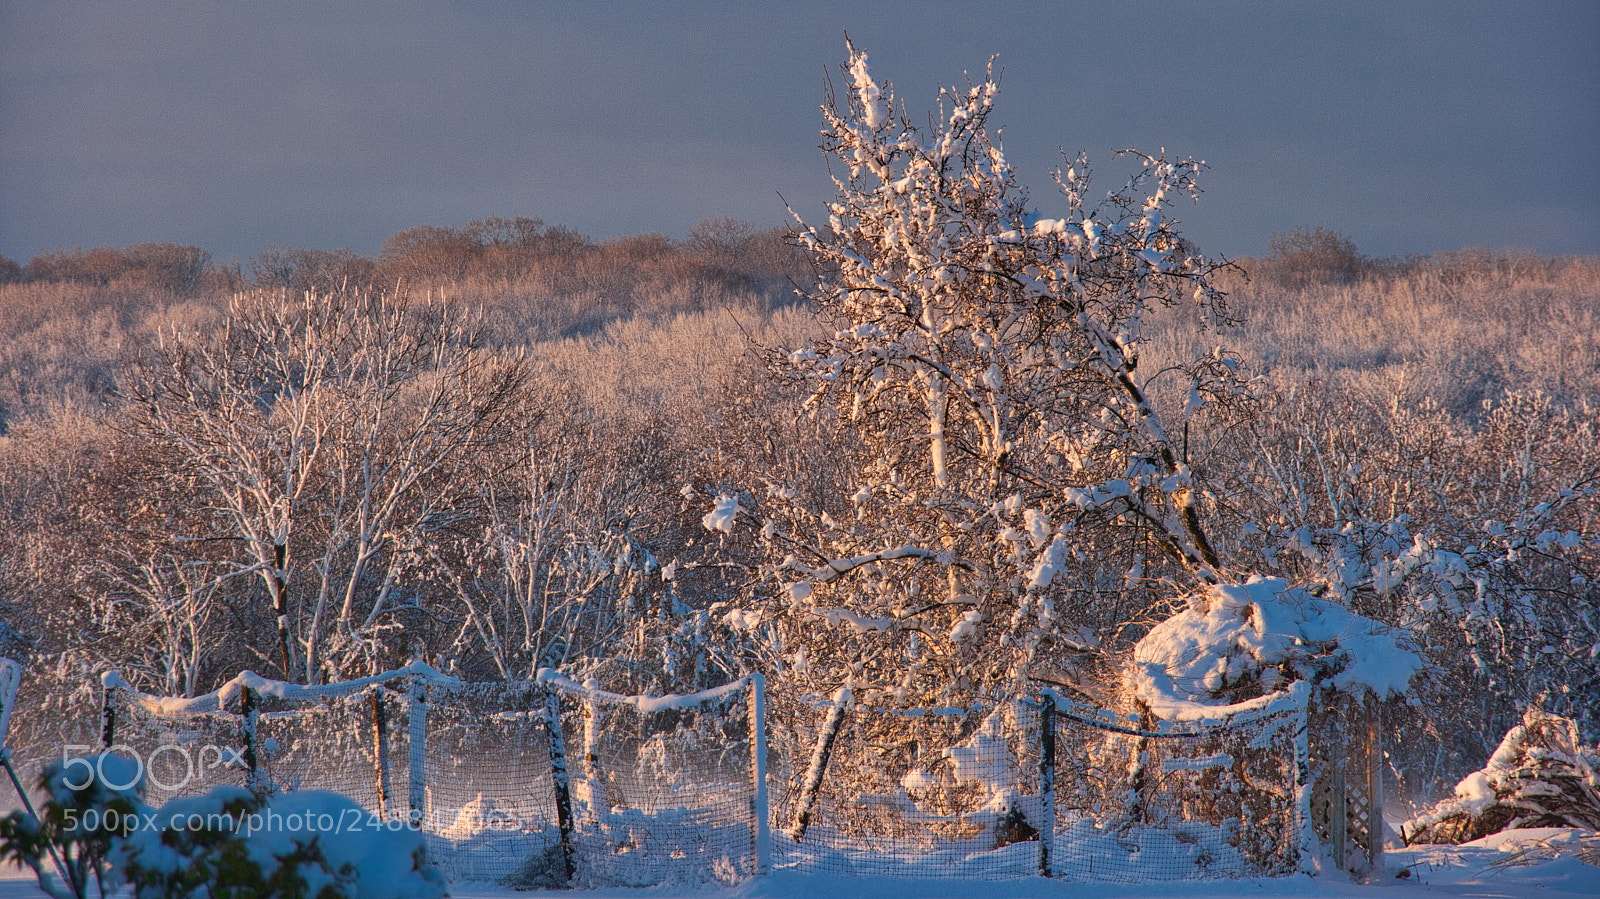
x=1548, y=864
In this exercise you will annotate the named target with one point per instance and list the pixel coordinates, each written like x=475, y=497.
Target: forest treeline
x=1472, y=321
x=495, y=448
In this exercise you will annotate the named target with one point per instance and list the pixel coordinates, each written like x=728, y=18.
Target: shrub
x=1541, y=776
x=229, y=843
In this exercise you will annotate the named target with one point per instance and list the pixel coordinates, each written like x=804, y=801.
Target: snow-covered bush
x=231, y=843
x=90, y=805
x=1542, y=775
x=1240, y=642
x=228, y=843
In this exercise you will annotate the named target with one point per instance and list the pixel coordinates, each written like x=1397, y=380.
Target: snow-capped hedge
x=1236, y=644
x=228, y=842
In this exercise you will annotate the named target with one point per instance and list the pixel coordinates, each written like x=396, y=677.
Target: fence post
x=1309, y=844
x=380, y=743
x=560, y=779
x=1375, y=786
x=1047, y=779
x=758, y=773
x=819, y=765
x=250, y=714
x=417, y=728
x=108, y=710
x=1338, y=825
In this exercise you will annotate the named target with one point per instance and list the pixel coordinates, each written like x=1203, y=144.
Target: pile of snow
x=1542, y=775
x=1238, y=643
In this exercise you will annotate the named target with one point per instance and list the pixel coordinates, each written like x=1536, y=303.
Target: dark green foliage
x=79, y=826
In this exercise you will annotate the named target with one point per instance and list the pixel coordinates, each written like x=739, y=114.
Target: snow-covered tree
x=1478, y=538
x=983, y=376
x=308, y=437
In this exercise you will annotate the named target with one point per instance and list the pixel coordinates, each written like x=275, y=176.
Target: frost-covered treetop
x=1004, y=342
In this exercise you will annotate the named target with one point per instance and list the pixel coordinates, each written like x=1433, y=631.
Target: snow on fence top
x=549, y=677
x=1290, y=699
x=226, y=696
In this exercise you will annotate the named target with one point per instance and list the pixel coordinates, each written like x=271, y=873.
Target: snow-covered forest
x=947, y=441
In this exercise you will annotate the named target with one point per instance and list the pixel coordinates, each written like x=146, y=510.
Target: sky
x=1412, y=127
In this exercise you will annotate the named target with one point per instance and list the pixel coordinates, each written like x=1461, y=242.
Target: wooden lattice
x=1347, y=785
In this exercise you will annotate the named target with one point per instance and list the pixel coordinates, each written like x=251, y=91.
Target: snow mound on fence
x=1237, y=643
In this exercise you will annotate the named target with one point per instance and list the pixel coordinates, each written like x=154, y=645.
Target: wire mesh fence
x=661, y=791
x=488, y=802
x=183, y=754
x=1138, y=801
x=551, y=783
x=326, y=742
x=905, y=792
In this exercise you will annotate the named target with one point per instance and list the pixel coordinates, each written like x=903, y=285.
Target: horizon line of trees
x=507, y=250
x=491, y=250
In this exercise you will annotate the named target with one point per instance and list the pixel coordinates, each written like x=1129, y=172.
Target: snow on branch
x=1541, y=775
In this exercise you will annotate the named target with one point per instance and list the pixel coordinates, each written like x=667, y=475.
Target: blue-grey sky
x=1412, y=126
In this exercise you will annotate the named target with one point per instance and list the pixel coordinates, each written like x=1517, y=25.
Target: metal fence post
x=761, y=832
x=417, y=728
x=1047, y=780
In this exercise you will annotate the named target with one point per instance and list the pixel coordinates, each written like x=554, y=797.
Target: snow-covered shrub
x=1239, y=642
x=90, y=805
x=1542, y=775
x=228, y=843
x=231, y=843
x=194, y=848
x=988, y=760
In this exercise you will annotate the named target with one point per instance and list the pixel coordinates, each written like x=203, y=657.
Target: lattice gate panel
x=1347, y=785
